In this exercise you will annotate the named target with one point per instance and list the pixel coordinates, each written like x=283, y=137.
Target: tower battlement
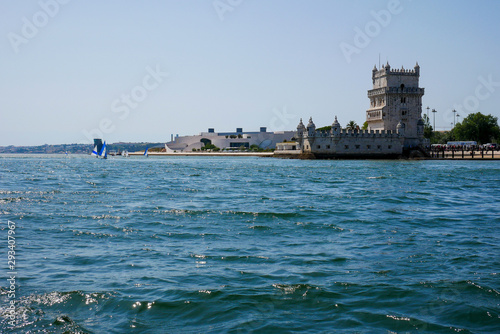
x=349, y=143
x=387, y=70
x=345, y=133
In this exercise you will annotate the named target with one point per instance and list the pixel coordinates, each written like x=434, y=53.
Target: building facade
x=396, y=97
x=394, y=119
x=230, y=140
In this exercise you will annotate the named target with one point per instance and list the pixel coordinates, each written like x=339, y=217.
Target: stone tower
x=396, y=97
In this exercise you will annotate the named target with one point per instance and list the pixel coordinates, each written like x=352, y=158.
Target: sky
x=140, y=71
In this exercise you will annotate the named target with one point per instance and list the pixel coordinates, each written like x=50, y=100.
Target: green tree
x=325, y=128
x=439, y=137
x=254, y=148
x=478, y=127
x=210, y=147
x=351, y=125
x=365, y=126
x=428, y=130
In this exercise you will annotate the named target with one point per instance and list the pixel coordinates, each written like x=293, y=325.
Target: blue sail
x=103, y=154
x=146, y=152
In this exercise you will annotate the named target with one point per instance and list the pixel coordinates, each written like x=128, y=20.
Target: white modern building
x=230, y=140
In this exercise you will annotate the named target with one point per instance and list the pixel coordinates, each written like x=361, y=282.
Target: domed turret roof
x=301, y=125
x=311, y=123
x=336, y=123
x=420, y=122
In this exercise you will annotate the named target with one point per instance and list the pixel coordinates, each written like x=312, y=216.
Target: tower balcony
x=396, y=90
x=374, y=115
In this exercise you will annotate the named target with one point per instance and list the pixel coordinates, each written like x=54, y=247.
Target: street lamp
x=434, y=111
x=454, y=112
x=458, y=121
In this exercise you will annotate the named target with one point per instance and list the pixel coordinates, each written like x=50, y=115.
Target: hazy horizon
x=141, y=71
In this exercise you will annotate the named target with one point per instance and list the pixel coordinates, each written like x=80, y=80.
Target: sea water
x=245, y=244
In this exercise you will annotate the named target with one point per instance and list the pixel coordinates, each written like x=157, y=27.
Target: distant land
x=78, y=148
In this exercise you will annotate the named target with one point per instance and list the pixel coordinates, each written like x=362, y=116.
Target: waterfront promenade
x=466, y=154
x=205, y=154
x=438, y=155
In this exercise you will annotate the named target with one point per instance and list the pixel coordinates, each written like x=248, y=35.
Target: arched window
x=205, y=141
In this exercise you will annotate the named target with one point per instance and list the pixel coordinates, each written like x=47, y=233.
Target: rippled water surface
x=238, y=245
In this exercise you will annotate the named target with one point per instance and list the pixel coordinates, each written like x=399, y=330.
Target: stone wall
x=353, y=143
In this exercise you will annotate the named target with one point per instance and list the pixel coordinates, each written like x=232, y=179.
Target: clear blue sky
x=246, y=63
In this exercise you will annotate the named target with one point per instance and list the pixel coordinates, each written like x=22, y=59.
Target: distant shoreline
x=448, y=156
x=205, y=154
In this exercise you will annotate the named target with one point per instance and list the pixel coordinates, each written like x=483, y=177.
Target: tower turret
x=311, y=128
x=300, y=129
x=400, y=128
x=420, y=128
x=336, y=128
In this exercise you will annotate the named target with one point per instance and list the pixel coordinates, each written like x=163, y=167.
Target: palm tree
x=351, y=125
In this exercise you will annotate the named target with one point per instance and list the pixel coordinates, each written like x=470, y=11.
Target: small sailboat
x=146, y=152
x=103, y=154
x=94, y=152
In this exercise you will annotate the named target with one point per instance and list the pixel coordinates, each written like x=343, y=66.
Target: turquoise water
x=240, y=245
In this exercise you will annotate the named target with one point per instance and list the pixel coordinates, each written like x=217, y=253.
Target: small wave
x=93, y=234
x=11, y=199
x=106, y=217
x=48, y=312
x=295, y=288
x=259, y=227
x=188, y=212
x=9, y=192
